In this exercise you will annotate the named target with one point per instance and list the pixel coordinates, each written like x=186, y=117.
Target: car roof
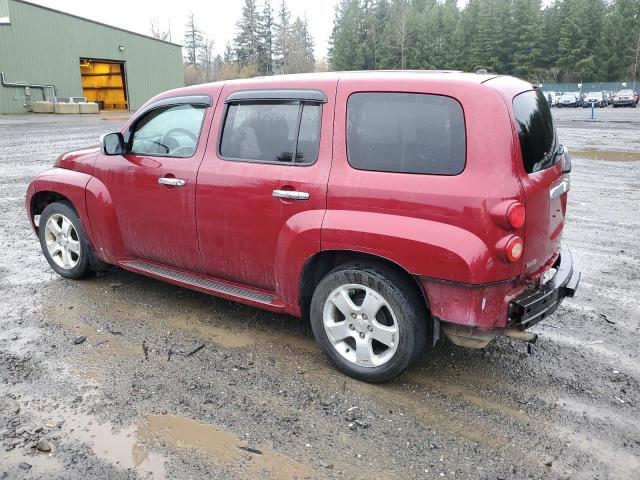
x=507, y=86
x=377, y=74
x=298, y=79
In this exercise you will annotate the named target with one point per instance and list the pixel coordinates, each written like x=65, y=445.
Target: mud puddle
x=252, y=335
x=119, y=447
x=39, y=463
x=464, y=392
x=222, y=447
x=609, y=155
x=98, y=344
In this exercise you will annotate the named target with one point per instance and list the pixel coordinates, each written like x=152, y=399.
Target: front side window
x=535, y=130
x=272, y=132
x=406, y=133
x=171, y=131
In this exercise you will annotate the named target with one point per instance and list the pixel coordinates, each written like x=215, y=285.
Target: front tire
x=370, y=322
x=63, y=241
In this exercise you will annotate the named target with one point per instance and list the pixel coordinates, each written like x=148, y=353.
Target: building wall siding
x=44, y=47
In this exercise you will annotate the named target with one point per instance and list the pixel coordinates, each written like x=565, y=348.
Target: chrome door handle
x=174, y=182
x=290, y=194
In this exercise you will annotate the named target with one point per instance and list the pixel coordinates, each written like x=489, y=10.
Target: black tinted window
x=171, y=131
x=535, y=130
x=406, y=133
x=271, y=132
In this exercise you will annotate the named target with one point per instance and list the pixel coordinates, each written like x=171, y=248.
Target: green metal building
x=47, y=54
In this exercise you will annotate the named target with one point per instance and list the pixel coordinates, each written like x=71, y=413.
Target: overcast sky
x=217, y=18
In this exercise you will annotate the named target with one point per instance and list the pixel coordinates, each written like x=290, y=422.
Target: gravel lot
x=260, y=401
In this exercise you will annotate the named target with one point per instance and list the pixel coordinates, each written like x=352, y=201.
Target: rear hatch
x=543, y=182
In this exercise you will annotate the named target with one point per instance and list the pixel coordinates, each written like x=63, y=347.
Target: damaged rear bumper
x=534, y=305
x=524, y=310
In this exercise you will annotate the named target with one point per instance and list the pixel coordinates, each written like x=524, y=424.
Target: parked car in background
x=625, y=98
x=609, y=96
x=596, y=98
x=569, y=100
x=387, y=208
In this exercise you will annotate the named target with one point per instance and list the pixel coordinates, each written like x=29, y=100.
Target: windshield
x=625, y=92
x=568, y=96
x=536, y=131
x=594, y=94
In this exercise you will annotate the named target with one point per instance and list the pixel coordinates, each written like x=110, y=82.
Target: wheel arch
x=321, y=263
x=40, y=200
x=59, y=184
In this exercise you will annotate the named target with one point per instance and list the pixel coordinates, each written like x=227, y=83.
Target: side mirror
x=112, y=144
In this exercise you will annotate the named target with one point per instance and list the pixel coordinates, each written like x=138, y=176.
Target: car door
x=153, y=183
x=261, y=192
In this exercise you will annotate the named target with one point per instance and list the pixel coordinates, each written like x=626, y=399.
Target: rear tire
x=63, y=241
x=370, y=322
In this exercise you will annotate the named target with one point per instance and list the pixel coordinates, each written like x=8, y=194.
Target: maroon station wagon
x=387, y=208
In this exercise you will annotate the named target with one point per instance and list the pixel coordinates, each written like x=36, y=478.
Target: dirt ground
x=260, y=401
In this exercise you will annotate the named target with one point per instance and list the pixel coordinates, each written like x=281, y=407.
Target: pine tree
x=396, y=44
x=526, y=44
x=246, y=41
x=265, y=37
x=300, y=57
x=620, y=39
x=206, y=58
x=229, y=55
x=374, y=17
x=346, y=51
x=192, y=39
x=282, y=38
x=309, y=45
x=580, y=29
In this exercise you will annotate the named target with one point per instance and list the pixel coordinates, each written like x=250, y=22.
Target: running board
x=188, y=279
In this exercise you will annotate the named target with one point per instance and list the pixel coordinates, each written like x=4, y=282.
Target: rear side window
x=405, y=133
x=535, y=130
x=272, y=132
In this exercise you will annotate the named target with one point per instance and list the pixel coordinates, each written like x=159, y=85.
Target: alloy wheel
x=361, y=325
x=63, y=243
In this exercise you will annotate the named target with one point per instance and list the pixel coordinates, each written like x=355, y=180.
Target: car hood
x=80, y=160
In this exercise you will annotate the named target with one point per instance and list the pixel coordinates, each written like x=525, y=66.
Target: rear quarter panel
x=433, y=225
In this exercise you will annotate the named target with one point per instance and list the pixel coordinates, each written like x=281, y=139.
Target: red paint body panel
x=434, y=225
x=70, y=184
x=156, y=222
x=225, y=225
x=80, y=160
x=31, y=191
x=241, y=226
x=545, y=216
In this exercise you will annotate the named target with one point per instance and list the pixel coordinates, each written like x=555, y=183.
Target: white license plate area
x=546, y=276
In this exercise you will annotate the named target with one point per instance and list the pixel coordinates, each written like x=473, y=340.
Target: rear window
x=535, y=130
x=405, y=133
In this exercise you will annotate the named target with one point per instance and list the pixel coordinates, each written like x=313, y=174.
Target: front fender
x=423, y=247
x=102, y=215
x=31, y=191
x=71, y=185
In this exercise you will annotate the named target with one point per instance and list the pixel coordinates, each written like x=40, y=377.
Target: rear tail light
x=515, y=215
x=514, y=249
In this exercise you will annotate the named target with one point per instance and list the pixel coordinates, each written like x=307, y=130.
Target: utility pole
x=635, y=65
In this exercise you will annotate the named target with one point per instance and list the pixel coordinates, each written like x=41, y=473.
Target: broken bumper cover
x=534, y=305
